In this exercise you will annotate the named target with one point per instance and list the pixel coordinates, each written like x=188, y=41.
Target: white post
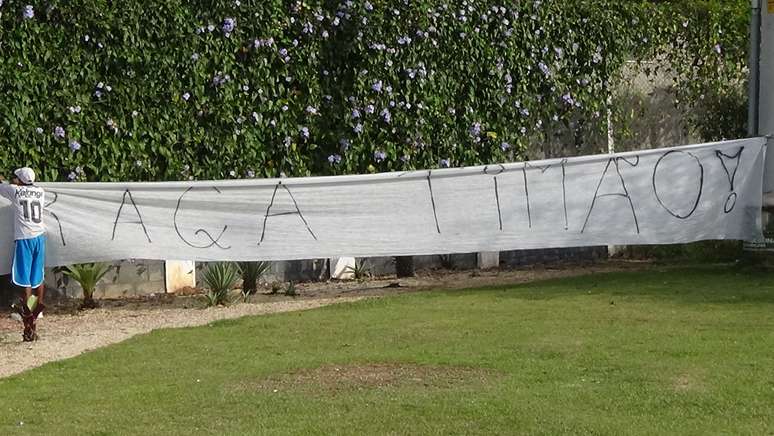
x=488, y=259
x=179, y=274
x=341, y=267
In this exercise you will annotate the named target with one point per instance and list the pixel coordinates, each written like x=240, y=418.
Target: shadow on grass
x=715, y=284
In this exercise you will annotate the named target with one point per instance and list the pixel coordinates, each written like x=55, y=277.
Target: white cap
x=25, y=175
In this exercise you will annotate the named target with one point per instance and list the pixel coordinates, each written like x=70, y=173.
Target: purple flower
x=75, y=109
x=98, y=93
x=405, y=158
x=59, y=132
x=377, y=86
x=368, y=6
x=567, y=98
x=75, y=145
x=112, y=125
x=186, y=96
x=250, y=174
x=334, y=159
x=544, y=68
x=355, y=113
x=524, y=112
x=39, y=130
x=304, y=132
x=404, y=40
x=358, y=128
x=72, y=176
x=311, y=110
x=475, y=130
x=228, y=25
x=29, y=12
x=195, y=57
x=219, y=79
x=505, y=146
x=344, y=144
x=444, y=163
x=370, y=109
x=386, y=115
x=263, y=42
x=379, y=156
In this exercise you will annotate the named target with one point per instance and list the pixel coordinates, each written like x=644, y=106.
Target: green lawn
x=680, y=351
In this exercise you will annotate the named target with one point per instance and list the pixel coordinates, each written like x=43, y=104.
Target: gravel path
x=76, y=334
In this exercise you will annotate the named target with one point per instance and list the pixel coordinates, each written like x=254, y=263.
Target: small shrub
x=87, y=275
x=446, y=261
x=291, y=290
x=251, y=274
x=361, y=271
x=220, y=278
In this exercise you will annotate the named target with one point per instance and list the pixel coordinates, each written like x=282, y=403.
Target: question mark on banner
x=733, y=160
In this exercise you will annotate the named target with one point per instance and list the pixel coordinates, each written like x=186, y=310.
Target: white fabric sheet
x=675, y=195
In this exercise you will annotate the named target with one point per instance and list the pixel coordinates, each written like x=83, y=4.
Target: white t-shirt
x=28, y=203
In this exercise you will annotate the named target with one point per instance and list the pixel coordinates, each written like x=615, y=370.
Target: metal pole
x=755, y=83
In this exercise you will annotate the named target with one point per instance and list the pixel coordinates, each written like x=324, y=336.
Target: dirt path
x=67, y=333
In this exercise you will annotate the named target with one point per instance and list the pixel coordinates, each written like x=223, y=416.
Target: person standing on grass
x=29, y=255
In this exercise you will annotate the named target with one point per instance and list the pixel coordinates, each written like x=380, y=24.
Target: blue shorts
x=28, y=260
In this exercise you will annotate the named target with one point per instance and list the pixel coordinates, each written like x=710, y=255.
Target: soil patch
x=346, y=378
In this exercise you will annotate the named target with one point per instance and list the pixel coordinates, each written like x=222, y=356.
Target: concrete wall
x=145, y=277
x=125, y=279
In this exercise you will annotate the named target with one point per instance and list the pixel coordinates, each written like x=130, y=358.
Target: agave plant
x=361, y=271
x=251, y=273
x=220, y=278
x=87, y=275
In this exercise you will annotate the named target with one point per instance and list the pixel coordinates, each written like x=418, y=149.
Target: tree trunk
x=88, y=301
x=404, y=266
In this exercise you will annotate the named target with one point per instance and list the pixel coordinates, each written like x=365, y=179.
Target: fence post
x=179, y=274
x=341, y=267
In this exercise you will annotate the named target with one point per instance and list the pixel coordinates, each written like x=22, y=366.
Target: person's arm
x=7, y=190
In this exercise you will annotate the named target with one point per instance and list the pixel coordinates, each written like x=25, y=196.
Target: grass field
x=678, y=351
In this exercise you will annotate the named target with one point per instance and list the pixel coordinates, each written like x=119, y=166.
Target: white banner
x=676, y=195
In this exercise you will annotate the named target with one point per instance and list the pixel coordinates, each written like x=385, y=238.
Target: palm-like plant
x=251, y=273
x=360, y=272
x=87, y=275
x=220, y=278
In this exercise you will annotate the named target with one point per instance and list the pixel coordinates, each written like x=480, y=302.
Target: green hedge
x=174, y=89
